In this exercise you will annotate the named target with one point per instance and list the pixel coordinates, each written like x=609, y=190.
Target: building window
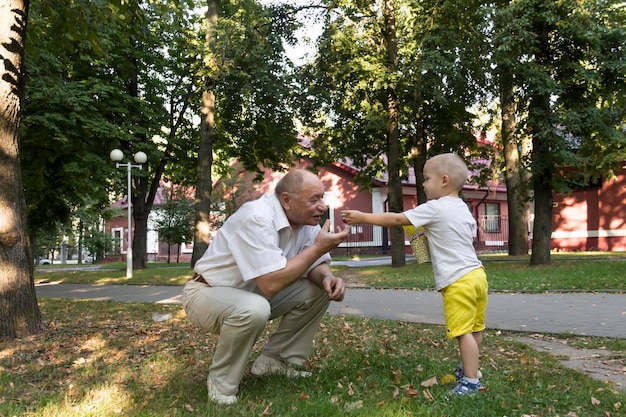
x=118, y=235
x=492, y=217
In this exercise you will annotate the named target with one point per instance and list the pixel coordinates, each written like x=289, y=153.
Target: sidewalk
x=587, y=314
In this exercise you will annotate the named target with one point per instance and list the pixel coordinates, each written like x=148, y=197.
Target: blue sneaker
x=463, y=387
x=458, y=373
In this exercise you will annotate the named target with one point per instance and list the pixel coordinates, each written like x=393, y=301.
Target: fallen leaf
x=267, y=411
x=411, y=391
x=524, y=359
x=429, y=382
x=448, y=379
x=595, y=401
x=428, y=395
x=353, y=406
x=303, y=396
x=189, y=408
x=397, y=375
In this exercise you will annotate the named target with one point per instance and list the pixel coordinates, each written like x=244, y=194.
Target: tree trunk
x=542, y=129
x=19, y=311
x=542, y=171
x=542, y=229
x=420, y=154
x=398, y=254
x=515, y=187
x=204, y=184
x=81, y=227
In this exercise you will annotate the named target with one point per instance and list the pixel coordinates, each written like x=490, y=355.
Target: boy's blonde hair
x=453, y=166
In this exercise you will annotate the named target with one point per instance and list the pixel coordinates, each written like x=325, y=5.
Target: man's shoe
x=218, y=397
x=265, y=365
x=458, y=373
x=464, y=387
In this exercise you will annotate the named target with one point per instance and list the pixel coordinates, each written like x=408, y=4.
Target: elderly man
x=270, y=259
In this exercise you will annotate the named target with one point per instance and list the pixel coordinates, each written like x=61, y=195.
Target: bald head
x=452, y=165
x=295, y=181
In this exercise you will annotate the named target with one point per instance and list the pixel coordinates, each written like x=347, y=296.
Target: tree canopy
x=391, y=83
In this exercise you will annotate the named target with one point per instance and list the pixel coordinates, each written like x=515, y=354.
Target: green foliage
x=254, y=121
x=566, y=58
x=174, y=217
x=235, y=187
x=440, y=74
x=97, y=242
x=48, y=242
x=77, y=98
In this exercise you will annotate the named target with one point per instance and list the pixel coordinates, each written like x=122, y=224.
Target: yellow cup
x=419, y=244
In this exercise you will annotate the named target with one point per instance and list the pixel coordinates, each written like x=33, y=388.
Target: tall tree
x=391, y=81
x=19, y=311
x=207, y=134
x=515, y=168
x=246, y=111
x=121, y=75
x=67, y=112
x=174, y=220
x=392, y=107
x=567, y=62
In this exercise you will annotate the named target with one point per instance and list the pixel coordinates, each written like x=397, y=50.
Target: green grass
x=101, y=358
x=568, y=272
x=115, y=273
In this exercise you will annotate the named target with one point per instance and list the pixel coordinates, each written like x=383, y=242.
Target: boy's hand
x=352, y=216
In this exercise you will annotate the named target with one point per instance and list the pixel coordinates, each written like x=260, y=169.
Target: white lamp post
x=141, y=158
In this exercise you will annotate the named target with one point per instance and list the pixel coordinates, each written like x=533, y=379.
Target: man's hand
x=329, y=240
x=334, y=287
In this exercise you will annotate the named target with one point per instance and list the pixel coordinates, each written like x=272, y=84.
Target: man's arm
x=272, y=283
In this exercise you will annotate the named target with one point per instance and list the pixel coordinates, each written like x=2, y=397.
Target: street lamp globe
x=116, y=155
x=141, y=157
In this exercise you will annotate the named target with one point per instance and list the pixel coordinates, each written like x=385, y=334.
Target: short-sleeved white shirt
x=257, y=239
x=450, y=230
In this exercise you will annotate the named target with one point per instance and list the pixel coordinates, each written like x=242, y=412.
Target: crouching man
x=270, y=259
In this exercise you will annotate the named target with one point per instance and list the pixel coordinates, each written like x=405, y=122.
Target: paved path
x=597, y=314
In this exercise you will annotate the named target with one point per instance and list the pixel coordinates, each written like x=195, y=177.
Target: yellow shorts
x=465, y=303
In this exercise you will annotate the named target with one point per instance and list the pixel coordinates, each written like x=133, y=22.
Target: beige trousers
x=239, y=317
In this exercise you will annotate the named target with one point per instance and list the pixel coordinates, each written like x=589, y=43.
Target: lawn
x=102, y=358
x=568, y=272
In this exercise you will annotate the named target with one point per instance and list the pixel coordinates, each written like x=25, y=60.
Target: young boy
x=459, y=275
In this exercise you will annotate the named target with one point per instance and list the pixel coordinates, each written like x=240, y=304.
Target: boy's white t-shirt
x=450, y=230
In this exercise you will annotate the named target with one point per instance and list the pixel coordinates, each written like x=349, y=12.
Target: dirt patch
x=602, y=364
x=351, y=277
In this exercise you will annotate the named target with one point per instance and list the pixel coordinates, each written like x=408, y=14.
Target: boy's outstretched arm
x=380, y=219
